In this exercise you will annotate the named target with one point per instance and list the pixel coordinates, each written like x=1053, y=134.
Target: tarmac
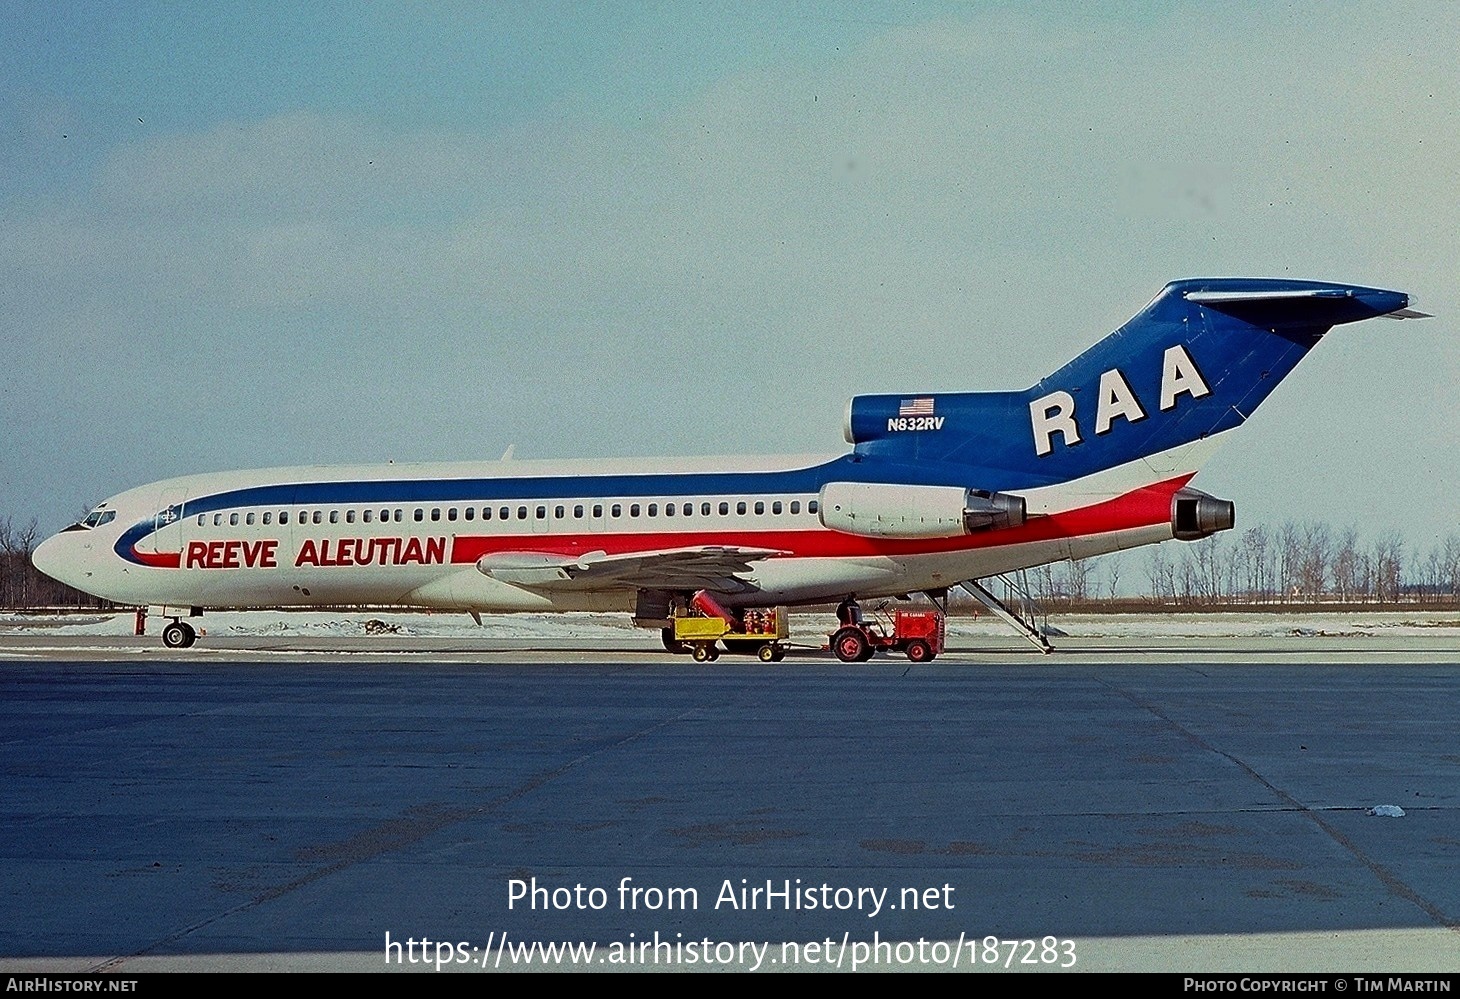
x=1197, y=805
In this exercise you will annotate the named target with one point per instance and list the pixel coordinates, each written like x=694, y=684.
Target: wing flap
x=714, y=567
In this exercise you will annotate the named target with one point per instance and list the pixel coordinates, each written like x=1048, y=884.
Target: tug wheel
x=851, y=646
x=919, y=651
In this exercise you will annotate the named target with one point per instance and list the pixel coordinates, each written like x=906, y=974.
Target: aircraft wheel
x=703, y=653
x=851, y=646
x=767, y=653
x=919, y=651
x=178, y=635
x=672, y=644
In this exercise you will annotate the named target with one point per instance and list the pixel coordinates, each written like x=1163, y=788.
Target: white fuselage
x=414, y=534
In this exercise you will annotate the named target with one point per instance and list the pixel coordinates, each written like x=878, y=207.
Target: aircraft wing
x=711, y=567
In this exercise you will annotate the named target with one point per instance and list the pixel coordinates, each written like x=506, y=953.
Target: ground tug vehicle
x=919, y=635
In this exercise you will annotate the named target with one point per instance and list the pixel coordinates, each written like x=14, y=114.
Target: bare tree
x=1388, y=564
x=1313, y=559
x=1161, y=574
x=1112, y=575
x=1289, y=554
x=1077, y=580
x=1253, y=550
x=1345, y=564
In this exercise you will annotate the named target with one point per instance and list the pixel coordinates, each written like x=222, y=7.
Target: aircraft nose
x=56, y=557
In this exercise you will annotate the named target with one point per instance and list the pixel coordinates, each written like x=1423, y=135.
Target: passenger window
x=689, y=508
x=349, y=516
x=486, y=513
x=669, y=509
x=334, y=516
x=233, y=520
x=598, y=509
x=634, y=510
x=811, y=507
x=740, y=508
x=558, y=512
x=201, y=518
x=653, y=509
x=578, y=511
x=451, y=513
x=502, y=513
x=776, y=508
x=542, y=513
x=367, y=515
x=283, y=517
x=522, y=513
x=795, y=506
x=616, y=510
x=400, y=515
x=469, y=513
x=217, y=520
x=317, y=516
x=435, y=513
x=759, y=509
x=268, y=517
x=248, y=519
x=704, y=509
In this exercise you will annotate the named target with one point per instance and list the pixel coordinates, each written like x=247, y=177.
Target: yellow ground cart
x=763, y=631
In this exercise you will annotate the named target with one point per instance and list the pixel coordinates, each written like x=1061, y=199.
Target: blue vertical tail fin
x=1197, y=361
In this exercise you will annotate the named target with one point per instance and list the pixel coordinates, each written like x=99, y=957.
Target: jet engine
x=1194, y=514
x=878, y=510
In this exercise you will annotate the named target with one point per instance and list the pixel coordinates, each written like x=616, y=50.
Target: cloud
x=958, y=203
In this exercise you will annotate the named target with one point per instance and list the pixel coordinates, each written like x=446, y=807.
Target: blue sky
x=248, y=235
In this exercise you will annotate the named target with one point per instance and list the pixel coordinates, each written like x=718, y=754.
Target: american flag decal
x=916, y=407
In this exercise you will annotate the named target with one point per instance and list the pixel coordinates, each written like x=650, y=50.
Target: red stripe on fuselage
x=1140, y=508
x=158, y=560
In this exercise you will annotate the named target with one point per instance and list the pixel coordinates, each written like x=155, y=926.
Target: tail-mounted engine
x=877, y=510
x=1195, y=515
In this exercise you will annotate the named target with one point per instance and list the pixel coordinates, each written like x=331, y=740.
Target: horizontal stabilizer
x=1210, y=297
x=1309, y=306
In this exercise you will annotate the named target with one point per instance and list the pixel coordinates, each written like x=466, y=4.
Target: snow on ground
x=1246, y=625
x=804, y=626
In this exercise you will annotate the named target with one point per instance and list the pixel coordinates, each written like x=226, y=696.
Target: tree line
x=1296, y=563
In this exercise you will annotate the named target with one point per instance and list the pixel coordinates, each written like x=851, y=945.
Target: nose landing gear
x=179, y=635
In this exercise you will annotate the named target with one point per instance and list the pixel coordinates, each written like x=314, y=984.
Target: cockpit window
x=96, y=518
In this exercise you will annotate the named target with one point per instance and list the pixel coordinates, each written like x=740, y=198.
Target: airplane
x=937, y=489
